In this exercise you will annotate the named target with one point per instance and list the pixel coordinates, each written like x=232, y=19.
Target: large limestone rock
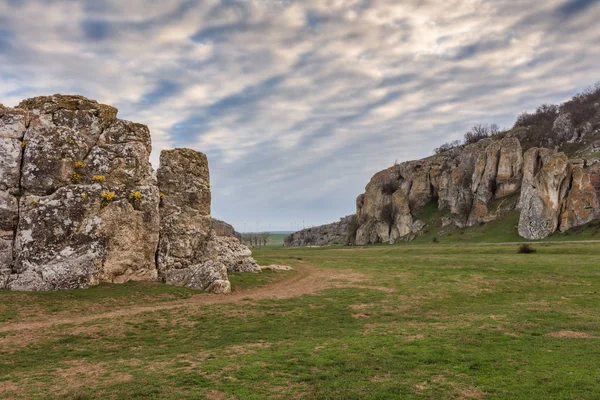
x=185, y=256
x=233, y=254
x=391, y=207
x=551, y=192
x=542, y=193
x=581, y=204
x=79, y=204
x=498, y=173
x=72, y=232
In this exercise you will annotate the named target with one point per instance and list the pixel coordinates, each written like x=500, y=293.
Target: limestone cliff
x=80, y=203
x=555, y=193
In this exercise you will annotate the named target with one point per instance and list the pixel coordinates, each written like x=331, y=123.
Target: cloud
x=299, y=103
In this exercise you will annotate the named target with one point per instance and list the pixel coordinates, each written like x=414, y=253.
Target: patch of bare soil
x=7, y=387
x=308, y=280
x=572, y=334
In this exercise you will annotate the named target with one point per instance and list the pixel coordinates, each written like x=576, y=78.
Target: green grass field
x=418, y=321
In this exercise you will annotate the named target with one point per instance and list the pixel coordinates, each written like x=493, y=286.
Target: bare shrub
x=526, y=249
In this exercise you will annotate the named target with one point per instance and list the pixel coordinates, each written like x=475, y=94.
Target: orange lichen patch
x=572, y=334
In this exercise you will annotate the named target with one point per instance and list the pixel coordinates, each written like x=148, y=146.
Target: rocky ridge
x=554, y=193
x=337, y=233
x=80, y=203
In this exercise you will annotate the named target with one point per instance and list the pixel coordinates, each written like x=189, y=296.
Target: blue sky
x=298, y=103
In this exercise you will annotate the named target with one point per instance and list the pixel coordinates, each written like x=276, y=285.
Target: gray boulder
x=236, y=256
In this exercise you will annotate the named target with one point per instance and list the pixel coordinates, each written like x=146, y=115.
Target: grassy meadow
x=417, y=321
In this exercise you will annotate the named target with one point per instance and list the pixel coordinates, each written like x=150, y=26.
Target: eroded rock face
x=79, y=203
x=498, y=173
x=581, y=204
x=542, y=193
x=479, y=183
x=233, y=254
x=462, y=182
x=67, y=234
x=13, y=124
x=185, y=256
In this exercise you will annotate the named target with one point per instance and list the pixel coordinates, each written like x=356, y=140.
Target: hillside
x=540, y=177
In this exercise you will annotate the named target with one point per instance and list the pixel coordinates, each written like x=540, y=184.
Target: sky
x=299, y=103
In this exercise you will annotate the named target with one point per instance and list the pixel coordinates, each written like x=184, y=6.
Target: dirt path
x=308, y=280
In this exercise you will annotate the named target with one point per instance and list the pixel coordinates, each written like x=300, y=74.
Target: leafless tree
x=264, y=237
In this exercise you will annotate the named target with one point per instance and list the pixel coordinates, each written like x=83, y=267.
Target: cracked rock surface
x=80, y=203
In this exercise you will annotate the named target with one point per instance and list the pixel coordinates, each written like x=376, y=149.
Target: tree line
x=256, y=239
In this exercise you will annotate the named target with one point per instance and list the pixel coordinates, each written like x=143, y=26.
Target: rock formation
x=222, y=228
x=80, y=203
x=330, y=234
x=236, y=256
x=556, y=193
x=184, y=256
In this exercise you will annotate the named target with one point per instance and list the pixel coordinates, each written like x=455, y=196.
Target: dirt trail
x=308, y=280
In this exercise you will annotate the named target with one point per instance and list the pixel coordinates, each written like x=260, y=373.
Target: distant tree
x=477, y=132
x=448, y=146
x=264, y=237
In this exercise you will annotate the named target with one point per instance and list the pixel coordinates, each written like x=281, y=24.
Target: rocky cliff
x=80, y=203
x=546, y=168
x=551, y=192
x=337, y=233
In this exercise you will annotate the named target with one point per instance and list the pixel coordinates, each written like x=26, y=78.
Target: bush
x=526, y=249
x=479, y=132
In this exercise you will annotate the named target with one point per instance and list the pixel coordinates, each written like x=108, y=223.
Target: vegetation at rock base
x=443, y=321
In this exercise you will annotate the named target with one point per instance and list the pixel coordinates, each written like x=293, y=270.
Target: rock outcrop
x=222, y=228
x=80, y=203
x=467, y=184
x=337, y=233
x=184, y=253
x=557, y=193
x=236, y=256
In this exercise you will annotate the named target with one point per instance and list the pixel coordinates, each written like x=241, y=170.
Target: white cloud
x=298, y=103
